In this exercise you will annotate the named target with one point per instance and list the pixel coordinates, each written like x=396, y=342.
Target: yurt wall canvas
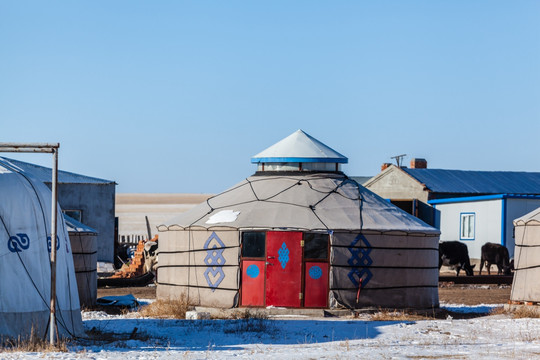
x=25, y=212
x=525, y=286
x=384, y=269
x=201, y=265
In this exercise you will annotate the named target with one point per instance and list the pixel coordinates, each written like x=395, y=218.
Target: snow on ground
x=486, y=337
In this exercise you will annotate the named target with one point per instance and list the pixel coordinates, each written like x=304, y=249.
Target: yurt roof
x=321, y=201
x=299, y=147
x=532, y=218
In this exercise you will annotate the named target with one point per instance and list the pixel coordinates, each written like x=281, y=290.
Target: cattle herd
x=455, y=254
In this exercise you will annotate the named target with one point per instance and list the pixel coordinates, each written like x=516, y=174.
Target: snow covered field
x=486, y=337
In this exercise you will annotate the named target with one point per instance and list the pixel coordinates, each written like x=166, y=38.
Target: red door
x=253, y=283
x=283, y=268
x=316, y=285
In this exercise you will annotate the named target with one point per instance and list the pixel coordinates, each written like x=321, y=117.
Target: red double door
x=278, y=280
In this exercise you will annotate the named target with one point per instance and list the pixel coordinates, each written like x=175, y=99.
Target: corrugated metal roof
x=78, y=227
x=44, y=174
x=299, y=147
x=477, y=182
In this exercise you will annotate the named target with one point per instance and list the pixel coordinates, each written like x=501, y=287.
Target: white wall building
x=477, y=220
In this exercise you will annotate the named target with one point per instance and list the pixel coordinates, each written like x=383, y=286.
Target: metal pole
x=52, y=327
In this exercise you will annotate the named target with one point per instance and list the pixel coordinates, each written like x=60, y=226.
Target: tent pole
x=52, y=327
x=53, y=149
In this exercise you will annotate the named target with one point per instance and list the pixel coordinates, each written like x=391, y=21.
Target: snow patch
x=224, y=216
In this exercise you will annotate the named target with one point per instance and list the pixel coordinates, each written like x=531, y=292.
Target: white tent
x=304, y=238
x=525, y=286
x=25, y=218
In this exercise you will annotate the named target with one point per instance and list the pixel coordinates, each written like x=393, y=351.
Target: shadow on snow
x=203, y=335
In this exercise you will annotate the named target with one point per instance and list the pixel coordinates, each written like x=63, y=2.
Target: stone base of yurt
x=84, y=249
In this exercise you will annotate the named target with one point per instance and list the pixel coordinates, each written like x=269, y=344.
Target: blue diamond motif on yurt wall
x=360, y=261
x=283, y=255
x=214, y=274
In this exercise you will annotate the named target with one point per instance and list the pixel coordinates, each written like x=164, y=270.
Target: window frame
x=242, y=246
x=308, y=259
x=472, y=233
x=67, y=211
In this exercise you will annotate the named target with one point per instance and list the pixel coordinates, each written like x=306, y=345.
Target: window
x=467, y=226
x=316, y=246
x=74, y=214
x=253, y=244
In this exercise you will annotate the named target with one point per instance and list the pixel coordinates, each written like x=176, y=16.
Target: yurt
x=25, y=214
x=84, y=248
x=525, y=286
x=299, y=233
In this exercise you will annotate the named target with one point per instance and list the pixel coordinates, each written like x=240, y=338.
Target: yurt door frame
x=284, y=268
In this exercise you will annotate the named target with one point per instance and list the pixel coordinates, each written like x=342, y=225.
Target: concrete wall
x=97, y=204
x=489, y=219
x=393, y=183
x=396, y=184
x=487, y=227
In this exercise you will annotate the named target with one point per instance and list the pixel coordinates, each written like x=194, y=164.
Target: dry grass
x=522, y=312
x=250, y=314
x=32, y=343
x=175, y=309
x=500, y=310
x=249, y=321
x=526, y=312
x=398, y=315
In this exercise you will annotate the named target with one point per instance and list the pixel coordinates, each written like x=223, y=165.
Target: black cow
x=495, y=254
x=455, y=255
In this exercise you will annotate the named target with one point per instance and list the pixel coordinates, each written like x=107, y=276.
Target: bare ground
x=448, y=293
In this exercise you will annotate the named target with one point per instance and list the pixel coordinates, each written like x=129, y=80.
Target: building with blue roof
x=474, y=207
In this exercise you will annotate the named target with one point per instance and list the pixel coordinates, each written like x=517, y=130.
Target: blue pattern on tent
x=215, y=260
x=360, y=274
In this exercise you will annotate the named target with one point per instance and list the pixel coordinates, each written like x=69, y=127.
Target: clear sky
x=177, y=96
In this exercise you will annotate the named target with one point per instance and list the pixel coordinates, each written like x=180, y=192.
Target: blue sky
x=176, y=96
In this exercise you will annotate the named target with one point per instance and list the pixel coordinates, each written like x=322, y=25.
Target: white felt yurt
x=299, y=233
x=25, y=214
x=525, y=286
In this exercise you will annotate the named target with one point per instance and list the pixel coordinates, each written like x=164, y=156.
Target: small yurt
x=525, y=286
x=25, y=214
x=299, y=233
x=84, y=247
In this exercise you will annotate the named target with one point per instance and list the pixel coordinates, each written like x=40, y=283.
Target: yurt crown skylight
x=299, y=152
